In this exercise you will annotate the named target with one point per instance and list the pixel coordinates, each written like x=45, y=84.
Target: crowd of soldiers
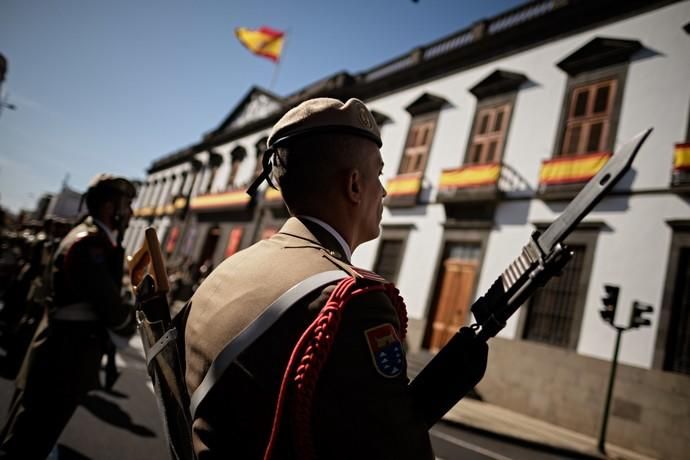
x=25, y=255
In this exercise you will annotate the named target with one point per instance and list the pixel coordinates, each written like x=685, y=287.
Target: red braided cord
x=318, y=339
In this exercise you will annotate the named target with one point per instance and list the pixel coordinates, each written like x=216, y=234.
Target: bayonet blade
x=592, y=193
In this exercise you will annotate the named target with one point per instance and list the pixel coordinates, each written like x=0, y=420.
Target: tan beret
x=114, y=183
x=326, y=115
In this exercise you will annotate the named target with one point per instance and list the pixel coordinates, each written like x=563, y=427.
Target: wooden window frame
x=586, y=235
x=617, y=72
x=679, y=239
x=490, y=103
x=585, y=122
x=421, y=152
x=393, y=233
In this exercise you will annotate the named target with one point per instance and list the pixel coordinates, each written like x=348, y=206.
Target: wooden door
x=454, y=301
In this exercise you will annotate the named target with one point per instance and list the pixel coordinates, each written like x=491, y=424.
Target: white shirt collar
x=343, y=245
x=112, y=235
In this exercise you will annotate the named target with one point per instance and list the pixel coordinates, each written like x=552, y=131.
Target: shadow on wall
x=416, y=211
x=612, y=202
x=646, y=53
x=514, y=213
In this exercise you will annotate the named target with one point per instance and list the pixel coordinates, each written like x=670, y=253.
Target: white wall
x=634, y=252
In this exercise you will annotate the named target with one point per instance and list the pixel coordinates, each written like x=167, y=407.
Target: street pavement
x=124, y=424
x=116, y=425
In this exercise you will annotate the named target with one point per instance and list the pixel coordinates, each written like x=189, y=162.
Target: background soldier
x=63, y=362
x=338, y=398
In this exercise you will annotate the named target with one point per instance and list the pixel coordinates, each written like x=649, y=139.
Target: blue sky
x=104, y=86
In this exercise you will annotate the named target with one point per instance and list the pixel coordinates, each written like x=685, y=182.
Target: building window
x=496, y=94
x=554, y=313
x=236, y=157
x=551, y=313
x=418, y=144
x=425, y=111
x=673, y=334
x=211, y=178
x=389, y=258
x=391, y=251
x=260, y=147
x=596, y=78
x=588, y=123
x=488, y=138
x=678, y=343
x=214, y=162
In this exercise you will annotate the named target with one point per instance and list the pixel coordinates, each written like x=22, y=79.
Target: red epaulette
x=369, y=275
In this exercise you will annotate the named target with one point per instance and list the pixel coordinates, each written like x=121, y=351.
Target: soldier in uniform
x=64, y=359
x=328, y=379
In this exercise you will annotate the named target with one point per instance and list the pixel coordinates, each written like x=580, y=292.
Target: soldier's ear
x=354, y=186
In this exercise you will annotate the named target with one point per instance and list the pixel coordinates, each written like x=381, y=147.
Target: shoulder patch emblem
x=386, y=350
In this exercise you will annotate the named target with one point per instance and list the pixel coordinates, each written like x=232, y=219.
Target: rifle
x=440, y=385
x=164, y=351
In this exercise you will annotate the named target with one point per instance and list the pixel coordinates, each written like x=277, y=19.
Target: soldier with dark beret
x=85, y=306
x=328, y=379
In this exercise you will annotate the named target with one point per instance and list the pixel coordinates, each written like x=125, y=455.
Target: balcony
x=680, y=178
x=273, y=198
x=144, y=212
x=403, y=190
x=471, y=183
x=235, y=200
x=180, y=203
x=563, y=177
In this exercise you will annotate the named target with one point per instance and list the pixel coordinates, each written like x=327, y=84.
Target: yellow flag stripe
x=259, y=42
x=470, y=176
x=404, y=185
x=681, y=158
x=219, y=200
x=572, y=169
x=273, y=194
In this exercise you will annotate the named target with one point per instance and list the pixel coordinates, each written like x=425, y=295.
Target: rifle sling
x=256, y=328
x=169, y=337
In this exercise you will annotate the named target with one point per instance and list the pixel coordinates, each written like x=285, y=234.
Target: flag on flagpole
x=264, y=41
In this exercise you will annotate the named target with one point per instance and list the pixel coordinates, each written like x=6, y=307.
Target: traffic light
x=610, y=300
x=636, y=318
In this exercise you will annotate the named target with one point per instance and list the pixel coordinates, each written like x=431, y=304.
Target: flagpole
x=280, y=59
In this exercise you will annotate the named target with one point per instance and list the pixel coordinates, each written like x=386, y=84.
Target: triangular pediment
x=599, y=52
x=426, y=103
x=498, y=82
x=256, y=105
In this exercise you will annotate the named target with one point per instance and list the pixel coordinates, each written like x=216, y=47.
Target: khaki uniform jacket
x=357, y=413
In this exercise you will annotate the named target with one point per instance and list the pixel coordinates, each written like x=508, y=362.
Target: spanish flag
x=264, y=41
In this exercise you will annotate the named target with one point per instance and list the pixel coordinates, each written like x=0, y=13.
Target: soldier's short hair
x=315, y=141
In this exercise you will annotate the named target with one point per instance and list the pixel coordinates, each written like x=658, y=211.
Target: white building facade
x=487, y=135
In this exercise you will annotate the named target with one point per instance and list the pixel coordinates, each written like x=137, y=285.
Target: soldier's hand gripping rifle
x=163, y=350
x=460, y=365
